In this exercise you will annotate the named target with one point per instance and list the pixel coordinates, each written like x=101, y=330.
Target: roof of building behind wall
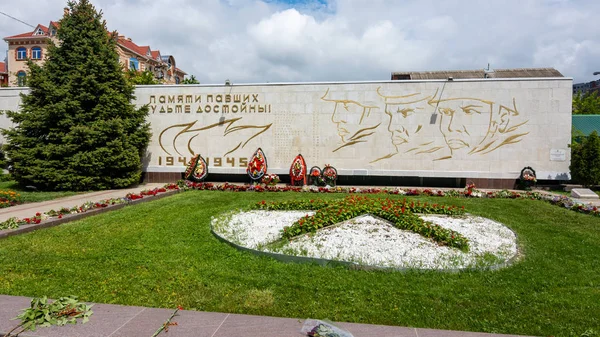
x=479, y=73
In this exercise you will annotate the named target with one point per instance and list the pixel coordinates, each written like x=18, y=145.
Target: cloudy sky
x=338, y=40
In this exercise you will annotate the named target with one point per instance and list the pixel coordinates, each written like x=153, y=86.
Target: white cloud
x=256, y=41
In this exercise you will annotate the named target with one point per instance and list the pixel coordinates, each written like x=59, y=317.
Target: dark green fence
x=586, y=123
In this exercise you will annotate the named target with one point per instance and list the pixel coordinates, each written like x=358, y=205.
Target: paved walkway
x=29, y=209
x=110, y=320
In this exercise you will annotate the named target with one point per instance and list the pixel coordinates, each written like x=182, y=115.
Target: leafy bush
x=191, y=80
x=587, y=104
x=145, y=77
x=585, y=160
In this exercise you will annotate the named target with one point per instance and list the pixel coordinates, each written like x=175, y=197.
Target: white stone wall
x=463, y=128
x=9, y=100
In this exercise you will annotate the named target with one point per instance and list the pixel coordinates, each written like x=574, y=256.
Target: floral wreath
x=315, y=171
x=197, y=169
x=257, y=167
x=298, y=170
x=528, y=175
x=330, y=174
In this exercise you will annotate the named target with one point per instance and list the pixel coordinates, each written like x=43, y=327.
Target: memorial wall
x=488, y=128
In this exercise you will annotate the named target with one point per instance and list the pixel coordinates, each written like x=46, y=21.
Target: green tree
x=2, y=159
x=585, y=160
x=145, y=77
x=191, y=80
x=588, y=104
x=77, y=128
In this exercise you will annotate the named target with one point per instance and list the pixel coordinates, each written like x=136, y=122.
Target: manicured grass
x=28, y=195
x=162, y=254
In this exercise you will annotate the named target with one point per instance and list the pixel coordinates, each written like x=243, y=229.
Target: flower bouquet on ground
x=317, y=328
x=270, y=179
x=470, y=191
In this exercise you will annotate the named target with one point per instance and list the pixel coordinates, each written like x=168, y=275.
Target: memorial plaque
x=558, y=155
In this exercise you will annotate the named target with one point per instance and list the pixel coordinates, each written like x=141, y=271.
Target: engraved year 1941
x=216, y=161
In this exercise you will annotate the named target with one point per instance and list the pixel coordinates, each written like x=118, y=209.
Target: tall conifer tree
x=77, y=128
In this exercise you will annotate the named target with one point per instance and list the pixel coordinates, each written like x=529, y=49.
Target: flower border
x=9, y=226
x=50, y=218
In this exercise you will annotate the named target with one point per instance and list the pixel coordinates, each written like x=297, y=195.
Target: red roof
x=180, y=71
x=146, y=49
x=29, y=34
x=132, y=46
x=3, y=68
x=156, y=54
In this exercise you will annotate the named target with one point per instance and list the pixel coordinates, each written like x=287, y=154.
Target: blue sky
x=317, y=40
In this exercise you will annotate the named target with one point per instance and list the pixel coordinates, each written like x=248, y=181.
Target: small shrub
x=585, y=160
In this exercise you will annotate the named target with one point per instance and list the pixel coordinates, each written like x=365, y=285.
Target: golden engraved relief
x=349, y=131
x=230, y=128
x=459, y=124
x=407, y=115
x=460, y=118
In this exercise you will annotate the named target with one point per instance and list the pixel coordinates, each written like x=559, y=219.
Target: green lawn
x=162, y=254
x=28, y=195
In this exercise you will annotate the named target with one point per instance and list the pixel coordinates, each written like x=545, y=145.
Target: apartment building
x=33, y=45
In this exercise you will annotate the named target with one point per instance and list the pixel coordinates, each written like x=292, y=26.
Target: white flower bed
x=256, y=228
x=367, y=240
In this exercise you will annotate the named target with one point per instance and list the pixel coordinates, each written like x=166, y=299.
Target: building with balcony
x=33, y=45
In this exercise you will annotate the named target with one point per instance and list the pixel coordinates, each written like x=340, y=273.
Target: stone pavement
x=109, y=320
x=29, y=209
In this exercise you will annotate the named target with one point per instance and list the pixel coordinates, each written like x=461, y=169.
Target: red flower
x=179, y=307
